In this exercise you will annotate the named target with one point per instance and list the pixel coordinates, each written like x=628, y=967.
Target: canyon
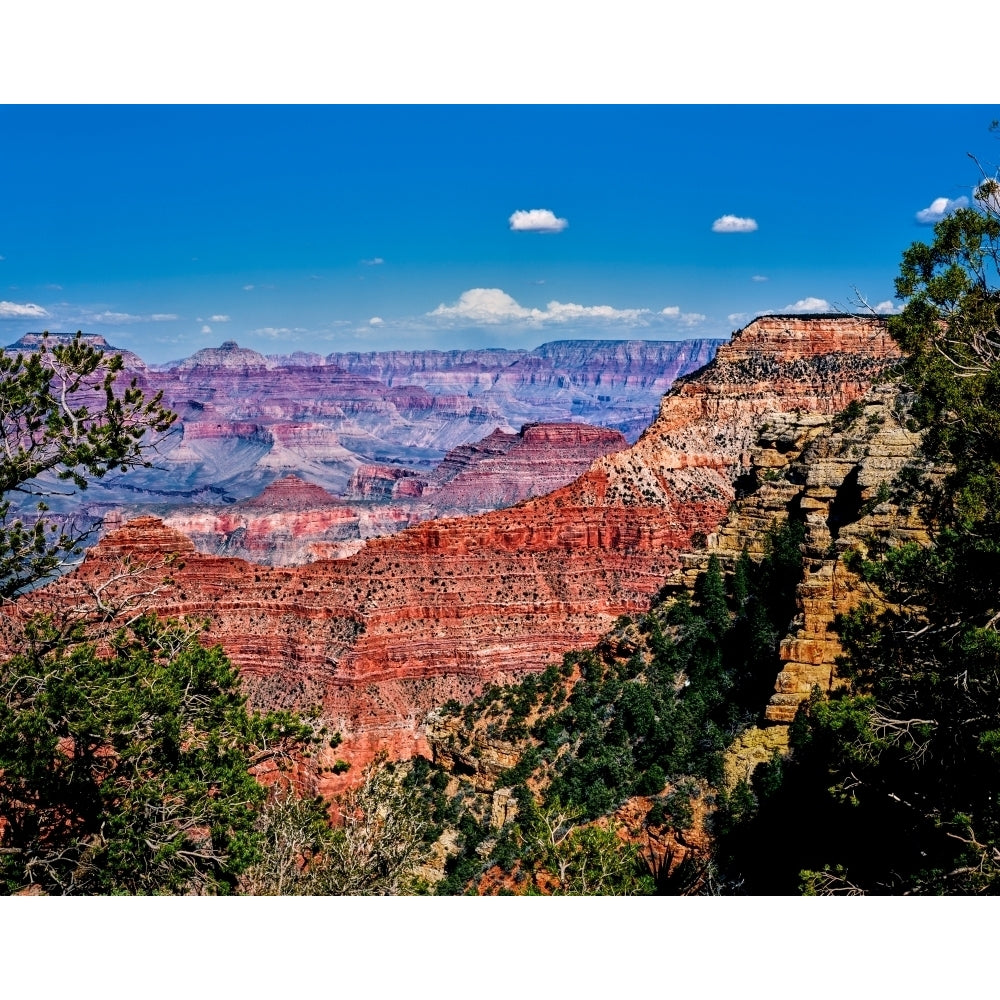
x=402, y=436
x=246, y=419
x=435, y=612
x=293, y=521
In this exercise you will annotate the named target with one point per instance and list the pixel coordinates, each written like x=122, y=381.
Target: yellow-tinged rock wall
x=837, y=475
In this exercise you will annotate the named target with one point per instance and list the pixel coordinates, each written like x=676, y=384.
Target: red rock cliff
x=442, y=608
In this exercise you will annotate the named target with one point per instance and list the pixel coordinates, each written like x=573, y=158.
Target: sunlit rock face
x=444, y=607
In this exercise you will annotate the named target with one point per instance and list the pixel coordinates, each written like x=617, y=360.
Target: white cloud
x=685, y=319
x=486, y=305
x=736, y=319
x=248, y=288
x=10, y=310
x=759, y=277
x=561, y=312
x=376, y=321
x=808, y=305
x=887, y=308
x=939, y=208
x=218, y=318
x=373, y=261
x=52, y=288
x=493, y=306
x=280, y=331
x=734, y=224
x=537, y=220
x=206, y=329
x=164, y=317
x=115, y=317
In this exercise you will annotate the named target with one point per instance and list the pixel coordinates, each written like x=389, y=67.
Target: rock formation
x=295, y=522
x=436, y=611
x=498, y=471
x=838, y=476
x=246, y=419
x=291, y=522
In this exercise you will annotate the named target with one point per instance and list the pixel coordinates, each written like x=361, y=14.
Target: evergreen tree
x=895, y=786
x=65, y=418
x=128, y=771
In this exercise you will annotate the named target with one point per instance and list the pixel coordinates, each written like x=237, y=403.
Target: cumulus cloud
x=280, y=331
x=493, y=306
x=248, y=288
x=685, y=319
x=373, y=261
x=376, y=321
x=206, y=329
x=165, y=317
x=939, y=208
x=537, y=220
x=561, y=312
x=808, y=305
x=887, y=308
x=12, y=310
x=736, y=319
x=115, y=317
x=759, y=277
x=734, y=224
x=486, y=305
x=218, y=318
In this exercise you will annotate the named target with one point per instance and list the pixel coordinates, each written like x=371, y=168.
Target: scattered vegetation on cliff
x=126, y=747
x=892, y=786
x=648, y=713
x=128, y=769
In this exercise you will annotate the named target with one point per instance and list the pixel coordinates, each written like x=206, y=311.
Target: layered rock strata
x=294, y=522
x=246, y=419
x=291, y=522
x=442, y=608
x=839, y=476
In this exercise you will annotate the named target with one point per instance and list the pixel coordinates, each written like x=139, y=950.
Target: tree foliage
x=894, y=786
x=66, y=417
x=125, y=751
x=374, y=851
x=127, y=769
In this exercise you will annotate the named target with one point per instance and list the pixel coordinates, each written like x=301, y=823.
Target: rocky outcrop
x=230, y=357
x=438, y=610
x=838, y=476
x=291, y=522
x=503, y=468
x=246, y=419
x=33, y=341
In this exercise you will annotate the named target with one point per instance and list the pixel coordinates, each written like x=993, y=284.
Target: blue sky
x=362, y=228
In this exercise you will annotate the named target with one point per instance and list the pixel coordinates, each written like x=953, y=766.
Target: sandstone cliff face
x=246, y=420
x=503, y=469
x=436, y=611
x=837, y=476
x=295, y=522
x=291, y=522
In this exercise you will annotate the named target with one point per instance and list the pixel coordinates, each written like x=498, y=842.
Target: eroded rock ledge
x=439, y=610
